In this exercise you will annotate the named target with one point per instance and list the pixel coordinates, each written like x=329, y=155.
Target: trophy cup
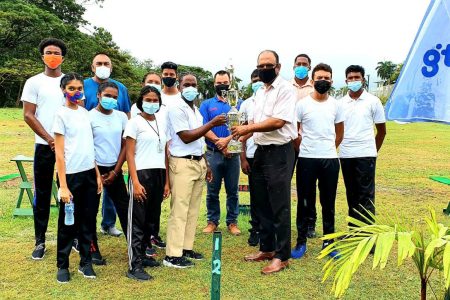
x=234, y=118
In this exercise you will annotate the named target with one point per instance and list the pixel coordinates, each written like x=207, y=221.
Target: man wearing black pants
x=359, y=148
x=41, y=98
x=321, y=119
x=247, y=157
x=273, y=124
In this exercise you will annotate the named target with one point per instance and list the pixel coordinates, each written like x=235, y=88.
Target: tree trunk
x=423, y=289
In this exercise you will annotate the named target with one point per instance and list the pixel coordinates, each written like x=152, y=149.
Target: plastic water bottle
x=68, y=210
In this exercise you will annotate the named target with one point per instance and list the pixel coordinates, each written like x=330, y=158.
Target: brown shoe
x=233, y=229
x=210, y=228
x=276, y=265
x=260, y=256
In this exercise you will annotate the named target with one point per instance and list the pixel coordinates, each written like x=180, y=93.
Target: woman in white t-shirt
x=108, y=126
x=146, y=150
x=78, y=176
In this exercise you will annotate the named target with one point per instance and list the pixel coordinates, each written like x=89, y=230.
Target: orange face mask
x=53, y=61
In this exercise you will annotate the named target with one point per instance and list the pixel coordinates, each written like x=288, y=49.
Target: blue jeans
x=108, y=212
x=227, y=169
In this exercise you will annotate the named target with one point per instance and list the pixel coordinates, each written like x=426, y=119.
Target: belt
x=272, y=146
x=192, y=157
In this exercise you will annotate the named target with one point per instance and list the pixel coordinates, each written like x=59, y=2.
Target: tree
x=385, y=69
x=396, y=73
x=356, y=243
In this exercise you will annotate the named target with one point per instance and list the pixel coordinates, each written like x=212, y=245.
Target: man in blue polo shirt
x=223, y=164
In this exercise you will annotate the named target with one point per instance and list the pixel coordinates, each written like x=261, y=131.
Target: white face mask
x=102, y=72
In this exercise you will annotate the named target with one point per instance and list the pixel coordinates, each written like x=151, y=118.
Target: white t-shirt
x=318, y=130
x=361, y=114
x=45, y=92
x=182, y=117
x=74, y=124
x=107, y=131
x=247, y=107
x=277, y=101
x=147, y=154
x=171, y=100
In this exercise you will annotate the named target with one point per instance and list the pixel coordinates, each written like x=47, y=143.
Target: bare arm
x=29, y=111
x=122, y=156
x=167, y=185
x=188, y=136
x=339, y=129
x=267, y=125
x=64, y=192
x=211, y=136
x=381, y=133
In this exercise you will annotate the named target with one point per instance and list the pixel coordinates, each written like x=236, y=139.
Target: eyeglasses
x=266, y=66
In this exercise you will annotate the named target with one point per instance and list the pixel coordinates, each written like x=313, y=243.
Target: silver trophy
x=234, y=118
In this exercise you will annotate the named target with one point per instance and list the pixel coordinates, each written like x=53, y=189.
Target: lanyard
x=157, y=128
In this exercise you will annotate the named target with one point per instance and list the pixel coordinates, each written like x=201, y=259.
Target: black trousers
x=272, y=169
x=43, y=169
x=254, y=220
x=359, y=179
x=117, y=191
x=141, y=215
x=309, y=171
x=311, y=210
x=83, y=187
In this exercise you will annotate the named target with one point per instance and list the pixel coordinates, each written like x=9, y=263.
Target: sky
x=209, y=33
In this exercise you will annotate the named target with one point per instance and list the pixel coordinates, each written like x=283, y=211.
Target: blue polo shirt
x=211, y=108
x=90, y=94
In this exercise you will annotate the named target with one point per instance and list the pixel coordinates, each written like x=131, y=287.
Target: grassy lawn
x=410, y=154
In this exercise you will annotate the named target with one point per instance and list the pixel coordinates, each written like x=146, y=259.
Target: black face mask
x=267, y=75
x=169, y=81
x=322, y=86
x=220, y=88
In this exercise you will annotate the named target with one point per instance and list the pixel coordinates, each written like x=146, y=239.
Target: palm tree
x=356, y=244
x=385, y=69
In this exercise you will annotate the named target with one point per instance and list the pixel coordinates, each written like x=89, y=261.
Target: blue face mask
x=108, y=103
x=150, y=108
x=256, y=86
x=190, y=93
x=156, y=86
x=301, y=72
x=354, y=86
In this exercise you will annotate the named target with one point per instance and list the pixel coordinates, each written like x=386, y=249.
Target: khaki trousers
x=187, y=178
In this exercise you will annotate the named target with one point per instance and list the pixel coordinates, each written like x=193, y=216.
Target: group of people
x=88, y=129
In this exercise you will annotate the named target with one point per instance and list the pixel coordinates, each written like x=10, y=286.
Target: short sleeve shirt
x=318, y=121
x=361, y=115
x=45, y=92
x=276, y=101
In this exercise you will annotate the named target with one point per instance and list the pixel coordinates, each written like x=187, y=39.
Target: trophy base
x=234, y=147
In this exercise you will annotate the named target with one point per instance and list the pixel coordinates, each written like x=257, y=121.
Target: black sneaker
x=87, y=271
x=311, y=233
x=177, y=262
x=76, y=246
x=150, y=252
x=97, y=259
x=138, y=274
x=150, y=262
x=39, y=252
x=253, y=239
x=63, y=276
x=158, y=242
x=191, y=254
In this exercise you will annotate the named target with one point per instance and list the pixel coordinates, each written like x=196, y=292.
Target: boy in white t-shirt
x=322, y=121
x=359, y=148
x=41, y=98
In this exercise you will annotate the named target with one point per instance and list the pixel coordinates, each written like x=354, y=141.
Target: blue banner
x=422, y=91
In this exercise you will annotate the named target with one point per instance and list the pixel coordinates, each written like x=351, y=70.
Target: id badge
x=160, y=147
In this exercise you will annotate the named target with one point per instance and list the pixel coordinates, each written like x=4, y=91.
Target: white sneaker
x=112, y=231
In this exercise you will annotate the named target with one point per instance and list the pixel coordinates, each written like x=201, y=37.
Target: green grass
x=411, y=154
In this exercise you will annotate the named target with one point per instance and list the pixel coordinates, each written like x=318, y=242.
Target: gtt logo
x=431, y=60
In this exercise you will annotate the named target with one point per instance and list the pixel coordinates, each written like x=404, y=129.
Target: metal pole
x=216, y=266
